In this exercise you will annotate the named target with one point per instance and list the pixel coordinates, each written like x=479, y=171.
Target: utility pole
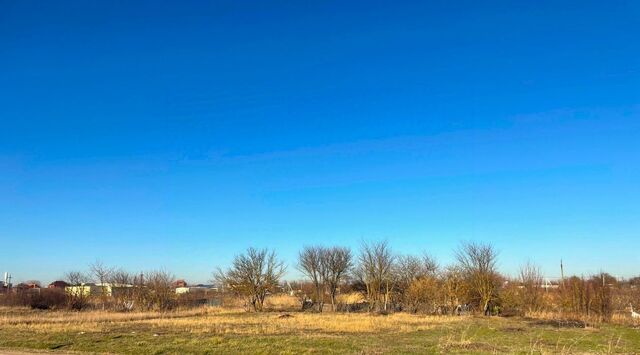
x=562, y=273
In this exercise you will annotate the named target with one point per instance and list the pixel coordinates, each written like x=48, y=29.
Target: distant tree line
x=117, y=290
x=389, y=282
x=383, y=281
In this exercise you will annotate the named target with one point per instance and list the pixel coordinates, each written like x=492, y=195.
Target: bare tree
x=310, y=263
x=76, y=278
x=161, y=292
x=121, y=289
x=101, y=273
x=430, y=264
x=141, y=296
x=531, y=279
x=478, y=262
x=120, y=277
x=454, y=288
x=416, y=280
x=253, y=275
x=337, y=261
x=77, y=298
x=408, y=269
x=376, y=271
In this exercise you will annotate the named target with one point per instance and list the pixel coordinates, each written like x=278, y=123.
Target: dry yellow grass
x=225, y=330
x=350, y=298
x=282, y=302
x=270, y=323
x=215, y=320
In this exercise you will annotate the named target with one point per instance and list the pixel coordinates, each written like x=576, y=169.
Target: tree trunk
x=333, y=302
x=386, y=298
x=319, y=298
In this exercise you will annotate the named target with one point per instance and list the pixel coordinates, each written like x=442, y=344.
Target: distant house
x=28, y=286
x=181, y=290
x=60, y=285
x=92, y=289
x=180, y=284
x=117, y=290
x=201, y=289
x=84, y=289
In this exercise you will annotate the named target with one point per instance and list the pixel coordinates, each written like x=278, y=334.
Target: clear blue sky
x=176, y=135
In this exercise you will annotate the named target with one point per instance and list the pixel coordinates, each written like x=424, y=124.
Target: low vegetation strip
x=218, y=330
x=372, y=302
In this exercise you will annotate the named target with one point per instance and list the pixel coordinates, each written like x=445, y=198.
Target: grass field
x=214, y=330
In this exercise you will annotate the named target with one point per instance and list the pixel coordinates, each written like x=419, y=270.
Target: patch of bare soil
x=558, y=323
x=513, y=329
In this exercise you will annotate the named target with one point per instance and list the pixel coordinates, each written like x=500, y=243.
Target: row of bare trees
x=596, y=297
x=408, y=282
x=392, y=282
x=327, y=268
x=385, y=280
x=120, y=289
x=388, y=281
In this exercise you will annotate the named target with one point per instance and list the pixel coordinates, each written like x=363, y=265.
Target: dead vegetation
x=224, y=330
x=217, y=320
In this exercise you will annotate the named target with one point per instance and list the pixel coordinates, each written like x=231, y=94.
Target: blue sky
x=176, y=135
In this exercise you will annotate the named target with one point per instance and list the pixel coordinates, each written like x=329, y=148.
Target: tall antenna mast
x=7, y=280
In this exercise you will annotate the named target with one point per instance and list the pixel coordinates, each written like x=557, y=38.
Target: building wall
x=86, y=290
x=181, y=290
